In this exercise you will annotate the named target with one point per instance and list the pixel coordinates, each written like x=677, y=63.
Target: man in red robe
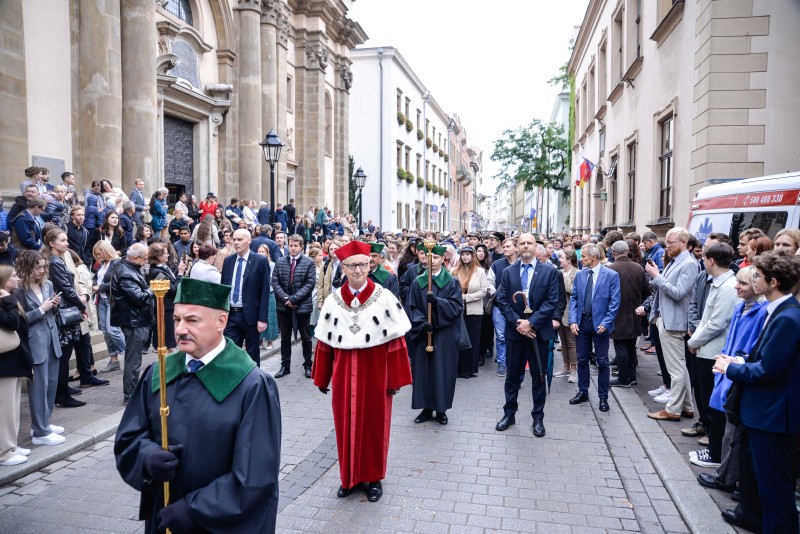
x=361, y=346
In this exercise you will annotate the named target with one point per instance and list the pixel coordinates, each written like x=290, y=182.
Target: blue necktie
x=194, y=365
x=587, y=298
x=236, y=283
x=523, y=281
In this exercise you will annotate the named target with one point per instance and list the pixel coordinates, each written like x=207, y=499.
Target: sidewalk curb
x=693, y=502
x=78, y=440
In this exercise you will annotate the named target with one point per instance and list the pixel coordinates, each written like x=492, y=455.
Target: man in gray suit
x=674, y=289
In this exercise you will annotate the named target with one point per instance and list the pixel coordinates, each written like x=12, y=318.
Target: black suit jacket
x=255, y=286
x=543, y=296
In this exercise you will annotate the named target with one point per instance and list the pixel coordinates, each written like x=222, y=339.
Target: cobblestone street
x=589, y=474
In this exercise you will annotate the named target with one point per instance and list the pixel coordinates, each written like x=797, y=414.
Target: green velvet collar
x=380, y=274
x=440, y=279
x=220, y=377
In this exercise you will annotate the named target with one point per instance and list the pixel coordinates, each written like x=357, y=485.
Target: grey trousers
x=728, y=471
x=42, y=394
x=135, y=338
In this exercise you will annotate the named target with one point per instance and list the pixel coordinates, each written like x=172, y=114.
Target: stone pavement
x=589, y=474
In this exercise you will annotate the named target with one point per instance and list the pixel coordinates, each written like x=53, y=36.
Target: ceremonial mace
x=527, y=313
x=429, y=244
x=160, y=288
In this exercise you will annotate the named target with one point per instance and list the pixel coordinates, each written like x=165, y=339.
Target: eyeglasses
x=756, y=276
x=356, y=266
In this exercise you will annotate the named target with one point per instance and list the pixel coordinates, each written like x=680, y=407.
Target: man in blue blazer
x=770, y=398
x=248, y=275
x=538, y=280
x=593, y=308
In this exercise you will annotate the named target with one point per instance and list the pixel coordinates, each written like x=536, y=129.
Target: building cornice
x=590, y=18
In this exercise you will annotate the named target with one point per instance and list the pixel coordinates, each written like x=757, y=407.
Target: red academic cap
x=353, y=248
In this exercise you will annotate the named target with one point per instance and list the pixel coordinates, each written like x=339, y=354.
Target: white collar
x=772, y=306
x=211, y=354
x=360, y=289
x=596, y=270
x=246, y=255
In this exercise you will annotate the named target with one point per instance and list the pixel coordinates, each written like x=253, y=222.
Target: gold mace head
x=429, y=244
x=159, y=287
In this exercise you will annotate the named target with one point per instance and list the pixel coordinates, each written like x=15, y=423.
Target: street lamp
x=272, y=153
x=361, y=179
x=444, y=217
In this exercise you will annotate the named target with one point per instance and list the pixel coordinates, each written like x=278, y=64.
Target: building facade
x=465, y=163
x=672, y=93
x=180, y=92
x=399, y=136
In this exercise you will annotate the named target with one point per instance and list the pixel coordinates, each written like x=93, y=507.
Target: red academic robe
x=362, y=406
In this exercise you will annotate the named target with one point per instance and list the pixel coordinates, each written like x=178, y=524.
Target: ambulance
x=770, y=203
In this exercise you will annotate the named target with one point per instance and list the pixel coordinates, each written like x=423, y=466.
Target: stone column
x=13, y=99
x=271, y=17
x=311, y=121
x=341, y=137
x=139, y=95
x=250, y=153
x=100, y=91
x=285, y=35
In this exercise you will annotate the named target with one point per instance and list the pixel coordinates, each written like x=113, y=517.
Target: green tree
x=534, y=155
x=352, y=201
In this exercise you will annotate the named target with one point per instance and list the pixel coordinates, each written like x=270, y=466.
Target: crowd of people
x=709, y=313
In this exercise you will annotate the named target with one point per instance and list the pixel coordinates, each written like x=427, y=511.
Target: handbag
x=9, y=340
x=68, y=316
x=463, y=340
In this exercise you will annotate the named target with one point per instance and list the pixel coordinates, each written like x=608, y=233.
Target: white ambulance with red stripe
x=771, y=203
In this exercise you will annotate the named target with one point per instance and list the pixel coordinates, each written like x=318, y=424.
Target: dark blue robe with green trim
x=434, y=372
x=227, y=417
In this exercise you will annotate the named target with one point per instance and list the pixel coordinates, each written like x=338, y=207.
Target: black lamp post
x=361, y=179
x=444, y=217
x=272, y=153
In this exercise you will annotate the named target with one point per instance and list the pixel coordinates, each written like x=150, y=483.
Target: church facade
x=179, y=92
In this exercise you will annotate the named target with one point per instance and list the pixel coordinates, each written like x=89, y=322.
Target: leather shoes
x=505, y=422
x=93, y=381
x=603, y=405
x=708, y=480
x=538, y=428
x=308, y=372
x=69, y=402
x=283, y=371
x=374, y=491
x=687, y=415
x=441, y=417
x=664, y=415
x=579, y=398
x=732, y=518
x=424, y=415
x=344, y=492
x=736, y=495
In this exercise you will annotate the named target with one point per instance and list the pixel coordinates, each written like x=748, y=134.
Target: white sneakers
x=55, y=429
x=50, y=439
x=656, y=392
x=23, y=451
x=702, y=458
x=15, y=460
x=664, y=398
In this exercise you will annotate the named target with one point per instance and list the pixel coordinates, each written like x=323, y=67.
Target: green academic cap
x=376, y=247
x=202, y=293
x=420, y=245
x=439, y=250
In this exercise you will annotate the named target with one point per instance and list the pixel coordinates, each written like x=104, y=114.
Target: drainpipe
x=382, y=147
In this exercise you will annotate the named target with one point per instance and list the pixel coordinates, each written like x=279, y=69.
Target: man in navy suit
x=248, y=275
x=539, y=282
x=770, y=398
x=593, y=308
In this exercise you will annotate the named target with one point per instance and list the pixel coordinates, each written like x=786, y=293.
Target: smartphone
x=650, y=262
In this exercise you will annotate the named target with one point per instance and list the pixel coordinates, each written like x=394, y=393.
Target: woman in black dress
x=157, y=257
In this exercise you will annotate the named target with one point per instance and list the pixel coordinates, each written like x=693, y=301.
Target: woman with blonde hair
x=788, y=238
x=270, y=334
x=569, y=355
x=108, y=258
x=15, y=365
x=472, y=279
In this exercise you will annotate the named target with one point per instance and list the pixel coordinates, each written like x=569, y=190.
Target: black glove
x=162, y=464
x=428, y=328
x=430, y=298
x=176, y=518
x=324, y=390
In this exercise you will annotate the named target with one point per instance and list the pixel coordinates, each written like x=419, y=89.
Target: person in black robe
x=434, y=372
x=224, y=428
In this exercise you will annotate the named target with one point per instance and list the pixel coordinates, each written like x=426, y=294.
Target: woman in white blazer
x=472, y=279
